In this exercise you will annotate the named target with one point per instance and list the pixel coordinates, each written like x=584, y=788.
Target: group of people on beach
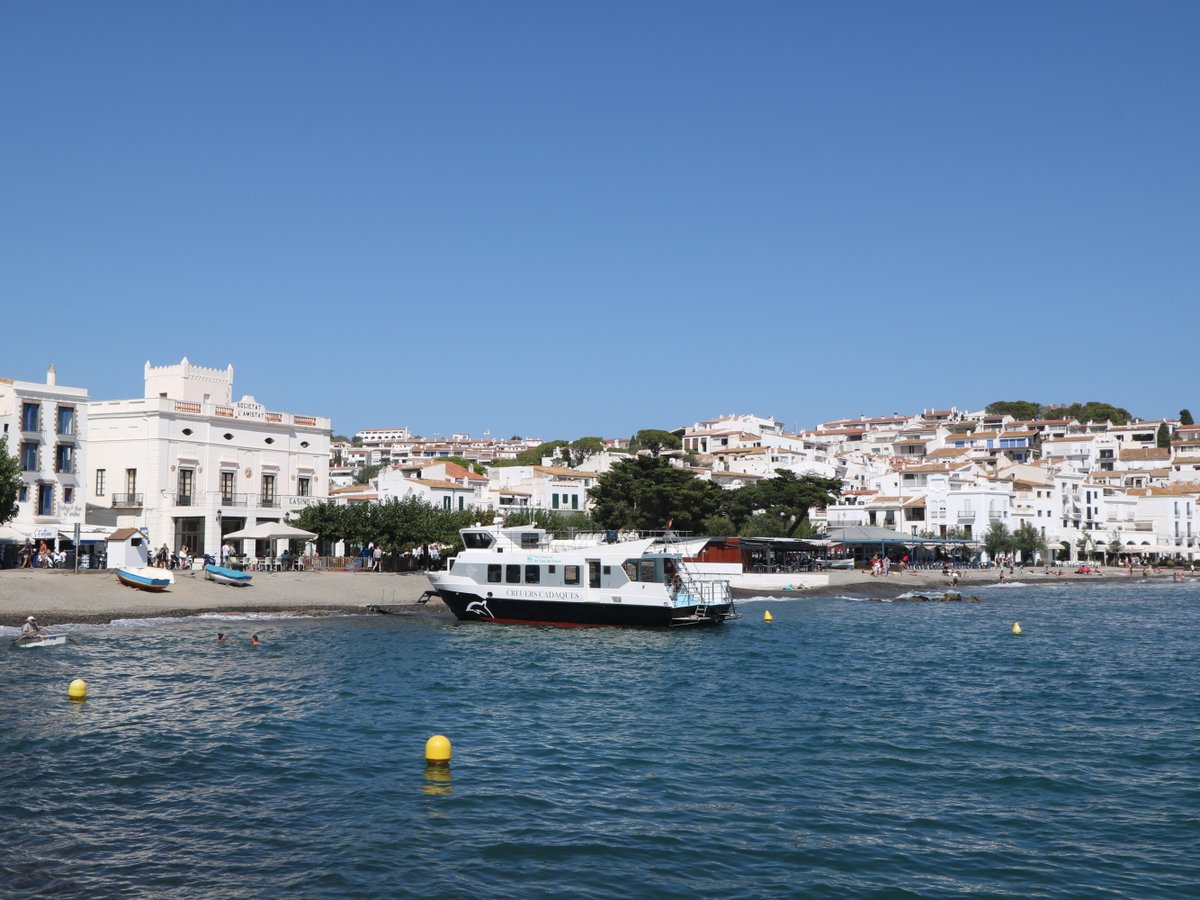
x=41, y=558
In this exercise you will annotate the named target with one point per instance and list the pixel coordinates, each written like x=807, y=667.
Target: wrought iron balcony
x=126, y=501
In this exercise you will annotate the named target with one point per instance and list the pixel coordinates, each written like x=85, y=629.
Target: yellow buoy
x=767, y=616
x=77, y=690
x=1016, y=627
x=437, y=751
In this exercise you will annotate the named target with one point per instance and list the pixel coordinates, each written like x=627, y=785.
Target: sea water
x=846, y=748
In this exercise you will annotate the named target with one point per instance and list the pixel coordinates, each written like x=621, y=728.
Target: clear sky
x=560, y=219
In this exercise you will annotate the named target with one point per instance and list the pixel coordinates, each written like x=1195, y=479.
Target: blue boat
x=224, y=575
x=145, y=578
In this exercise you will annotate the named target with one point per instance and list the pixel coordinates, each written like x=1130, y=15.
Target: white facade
x=45, y=425
x=189, y=465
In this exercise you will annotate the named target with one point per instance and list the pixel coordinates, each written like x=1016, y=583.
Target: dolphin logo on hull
x=479, y=607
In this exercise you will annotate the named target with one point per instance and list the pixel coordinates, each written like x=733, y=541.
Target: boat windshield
x=477, y=540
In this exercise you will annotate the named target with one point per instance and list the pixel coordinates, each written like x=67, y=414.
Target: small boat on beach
x=225, y=575
x=522, y=575
x=146, y=578
x=40, y=640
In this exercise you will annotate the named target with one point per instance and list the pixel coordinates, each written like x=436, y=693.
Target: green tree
x=654, y=440
x=1185, y=417
x=583, y=448
x=555, y=522
x=534, y=455
x=365, y=474
x=1163, y=437
x=1092, y=411
x=718, y=526
x=1018, y=409
x=1115, y=543
x=786, y=499
x=646, y=492
x=998, y=540
x=10, y=482
x=1029, y=541
x=327, y=519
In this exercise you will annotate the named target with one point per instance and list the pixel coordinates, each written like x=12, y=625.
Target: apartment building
x=44, y=423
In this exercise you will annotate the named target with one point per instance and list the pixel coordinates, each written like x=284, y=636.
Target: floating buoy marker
x=1016, y=628
x=767, y=616
x=77, y=690
x=437, y=751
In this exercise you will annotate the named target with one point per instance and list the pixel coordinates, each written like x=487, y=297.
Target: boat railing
x=700, y=591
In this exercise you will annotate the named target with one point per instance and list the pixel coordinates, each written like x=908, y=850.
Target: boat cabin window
x=512, y=574
x=532, y=574
x=529, y=540
x=593, y=573
x=493, y=573
x=639, y=570
x=570, y=574
x=476, y=540
x=551, y=569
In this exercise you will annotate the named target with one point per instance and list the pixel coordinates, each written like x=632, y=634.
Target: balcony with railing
x=127, y=501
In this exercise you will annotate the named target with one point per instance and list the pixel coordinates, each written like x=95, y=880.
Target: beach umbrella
x=10, y=535
x=271, y=531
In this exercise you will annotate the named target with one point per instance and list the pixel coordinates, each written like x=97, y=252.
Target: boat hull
x=49, y=640
x=223, y=575
x=153, y=580
x=468, y=607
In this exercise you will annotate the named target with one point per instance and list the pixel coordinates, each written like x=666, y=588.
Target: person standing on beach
x=27, y=555
x=376, y=559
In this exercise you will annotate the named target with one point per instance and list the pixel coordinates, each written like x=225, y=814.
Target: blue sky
x=560, y=219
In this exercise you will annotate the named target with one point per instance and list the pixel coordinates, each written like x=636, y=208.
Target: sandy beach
x=97, y=597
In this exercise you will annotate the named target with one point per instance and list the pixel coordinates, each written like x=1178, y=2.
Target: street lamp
x=217, y=553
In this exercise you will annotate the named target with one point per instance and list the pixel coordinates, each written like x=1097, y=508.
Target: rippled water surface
x=844, y=749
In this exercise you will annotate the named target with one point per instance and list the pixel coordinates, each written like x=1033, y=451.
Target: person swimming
x=255, y=642
x=220, y=637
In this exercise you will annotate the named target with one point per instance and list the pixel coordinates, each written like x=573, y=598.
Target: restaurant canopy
x=271, y=531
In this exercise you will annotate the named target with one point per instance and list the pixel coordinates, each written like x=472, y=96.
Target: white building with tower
x=189, y=464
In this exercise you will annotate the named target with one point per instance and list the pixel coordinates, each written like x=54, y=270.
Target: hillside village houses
x=1084, y=486
x=188, y=464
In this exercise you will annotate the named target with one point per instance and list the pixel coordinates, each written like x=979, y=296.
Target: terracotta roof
x=1147, y=453
x=1073, y=437
x=122, y=534
x=741, y=451
x=946, y=453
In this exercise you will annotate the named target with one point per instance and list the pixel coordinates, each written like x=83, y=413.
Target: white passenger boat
x=520, y=575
